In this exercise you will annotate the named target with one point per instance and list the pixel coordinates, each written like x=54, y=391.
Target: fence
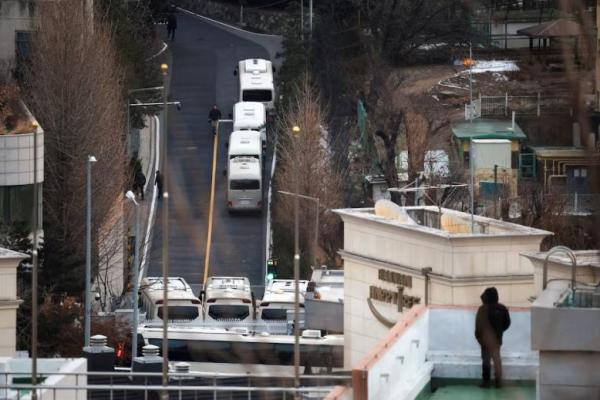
x=576, y=203
x=524, y=105
x=182, y=385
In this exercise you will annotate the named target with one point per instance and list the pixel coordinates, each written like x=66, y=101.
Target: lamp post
x=317, y=205
x=296, y=134
x=88, y=250
x=34, y=270
x=136, y=267
x=165, y=239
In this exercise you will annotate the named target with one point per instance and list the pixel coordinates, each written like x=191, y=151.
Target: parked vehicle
x=183, y=304
x=251, y=115
x=228, y=298
x=279, y=298
x=256, y=81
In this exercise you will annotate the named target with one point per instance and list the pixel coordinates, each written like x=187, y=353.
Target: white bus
x=228, y=298
x=279, y=297
x=245, y=144
x=256, y=81
x=183, y=304
x=250, y=115
x=244, y=184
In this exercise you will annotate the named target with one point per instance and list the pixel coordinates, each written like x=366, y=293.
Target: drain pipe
x=568, y=252
x=426, y=272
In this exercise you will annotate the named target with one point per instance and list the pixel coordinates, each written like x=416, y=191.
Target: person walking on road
x=139, y=180
x=213, y=117
x=171, y=25
x=491, y=322
x=158, y=182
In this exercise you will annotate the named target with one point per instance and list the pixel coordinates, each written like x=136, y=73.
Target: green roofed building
x=498, y=143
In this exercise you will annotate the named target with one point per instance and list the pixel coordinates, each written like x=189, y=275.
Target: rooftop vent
x=150, y=350
x=311, y=334
x=98, y=341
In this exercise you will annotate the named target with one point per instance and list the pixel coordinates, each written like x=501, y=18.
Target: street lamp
x=136, y=266
x=296, y=134
x=88, y=250
x=34, y=270
x=164, y=68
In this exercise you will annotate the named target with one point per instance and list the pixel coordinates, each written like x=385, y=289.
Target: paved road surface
x=204, y=57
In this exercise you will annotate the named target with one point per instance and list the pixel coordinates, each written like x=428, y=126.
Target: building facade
x=426, y=255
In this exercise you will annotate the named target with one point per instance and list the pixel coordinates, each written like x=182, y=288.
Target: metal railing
x=271, y=327
x=524, y=105
x=575, y=203
x=187, y=385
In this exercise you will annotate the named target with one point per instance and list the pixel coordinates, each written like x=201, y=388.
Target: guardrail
x=274, y=327
x=182, y=385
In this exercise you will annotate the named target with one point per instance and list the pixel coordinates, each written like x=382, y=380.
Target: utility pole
x=296, y=133
x=88, y=252
x=165, y=241
x=472, y=170
x=34, y=270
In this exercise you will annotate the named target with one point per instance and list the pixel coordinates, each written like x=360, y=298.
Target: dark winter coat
x=214, y=114
x=492, y=319
x=171, y=22
x=140, y=179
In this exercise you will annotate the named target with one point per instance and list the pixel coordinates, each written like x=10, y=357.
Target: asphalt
x=203, y=59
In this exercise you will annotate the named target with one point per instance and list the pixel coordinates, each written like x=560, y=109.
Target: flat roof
x=488, y=129
x=455, y=224
x=10, y=254
x=564, y=152
x=584, y=258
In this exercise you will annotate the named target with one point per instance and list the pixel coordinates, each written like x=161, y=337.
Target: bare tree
x=307, y=159
x=74, y=85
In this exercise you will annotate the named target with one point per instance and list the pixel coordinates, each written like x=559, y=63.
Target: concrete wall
x=568, y=340
x=9, y=302
x=15, y=15
x=54, y=370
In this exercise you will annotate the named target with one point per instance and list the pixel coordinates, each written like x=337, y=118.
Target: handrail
x=568, y=252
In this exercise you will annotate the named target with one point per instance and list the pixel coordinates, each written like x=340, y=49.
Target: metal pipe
x=164, y=103
x=296, y=133
x=136, y=284
x=165, y=240
x=34, y=271
x=568, y=252
x=471, y=169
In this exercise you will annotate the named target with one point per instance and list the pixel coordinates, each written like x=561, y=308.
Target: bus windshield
x=228, y=311
x=180, y=312
x=257, y=95
x=274, y=314
x=244, y=184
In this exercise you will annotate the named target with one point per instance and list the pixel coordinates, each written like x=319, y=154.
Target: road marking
x=211, y=206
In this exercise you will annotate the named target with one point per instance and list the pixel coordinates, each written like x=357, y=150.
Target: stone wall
x=259, y=20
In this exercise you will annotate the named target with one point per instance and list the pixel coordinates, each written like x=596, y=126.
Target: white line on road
x=159, y=52
x=153, y=203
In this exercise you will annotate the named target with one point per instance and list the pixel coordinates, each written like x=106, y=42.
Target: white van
x=256, y=81
x=228, y=298
x=244, y=184
x=250, y=115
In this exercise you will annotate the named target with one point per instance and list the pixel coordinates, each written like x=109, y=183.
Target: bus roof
x=228, y=287
x=282, y=291
x=256, y=74
x=248, y=114
x=244, y=168
x=245, y=143
x=177, y=287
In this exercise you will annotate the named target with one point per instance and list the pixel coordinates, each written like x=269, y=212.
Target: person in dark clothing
x=139, y=180
x=491, y=322
x=158, y=182
x=171, y=26
x=214, y=116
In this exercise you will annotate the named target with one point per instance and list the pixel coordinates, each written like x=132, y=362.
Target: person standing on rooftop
x=491, y=322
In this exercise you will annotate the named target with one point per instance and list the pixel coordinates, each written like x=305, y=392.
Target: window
x=22, y=41
x=274, y=314
x=180, y=312
x=16, y=204
x=257, y=95
x=244, y=184
x=228, y=311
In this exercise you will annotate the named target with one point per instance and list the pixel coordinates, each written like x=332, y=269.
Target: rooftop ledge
x=442, y=222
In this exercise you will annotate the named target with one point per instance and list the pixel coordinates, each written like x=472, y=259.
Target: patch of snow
x=482, y=66
x=432, y=46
